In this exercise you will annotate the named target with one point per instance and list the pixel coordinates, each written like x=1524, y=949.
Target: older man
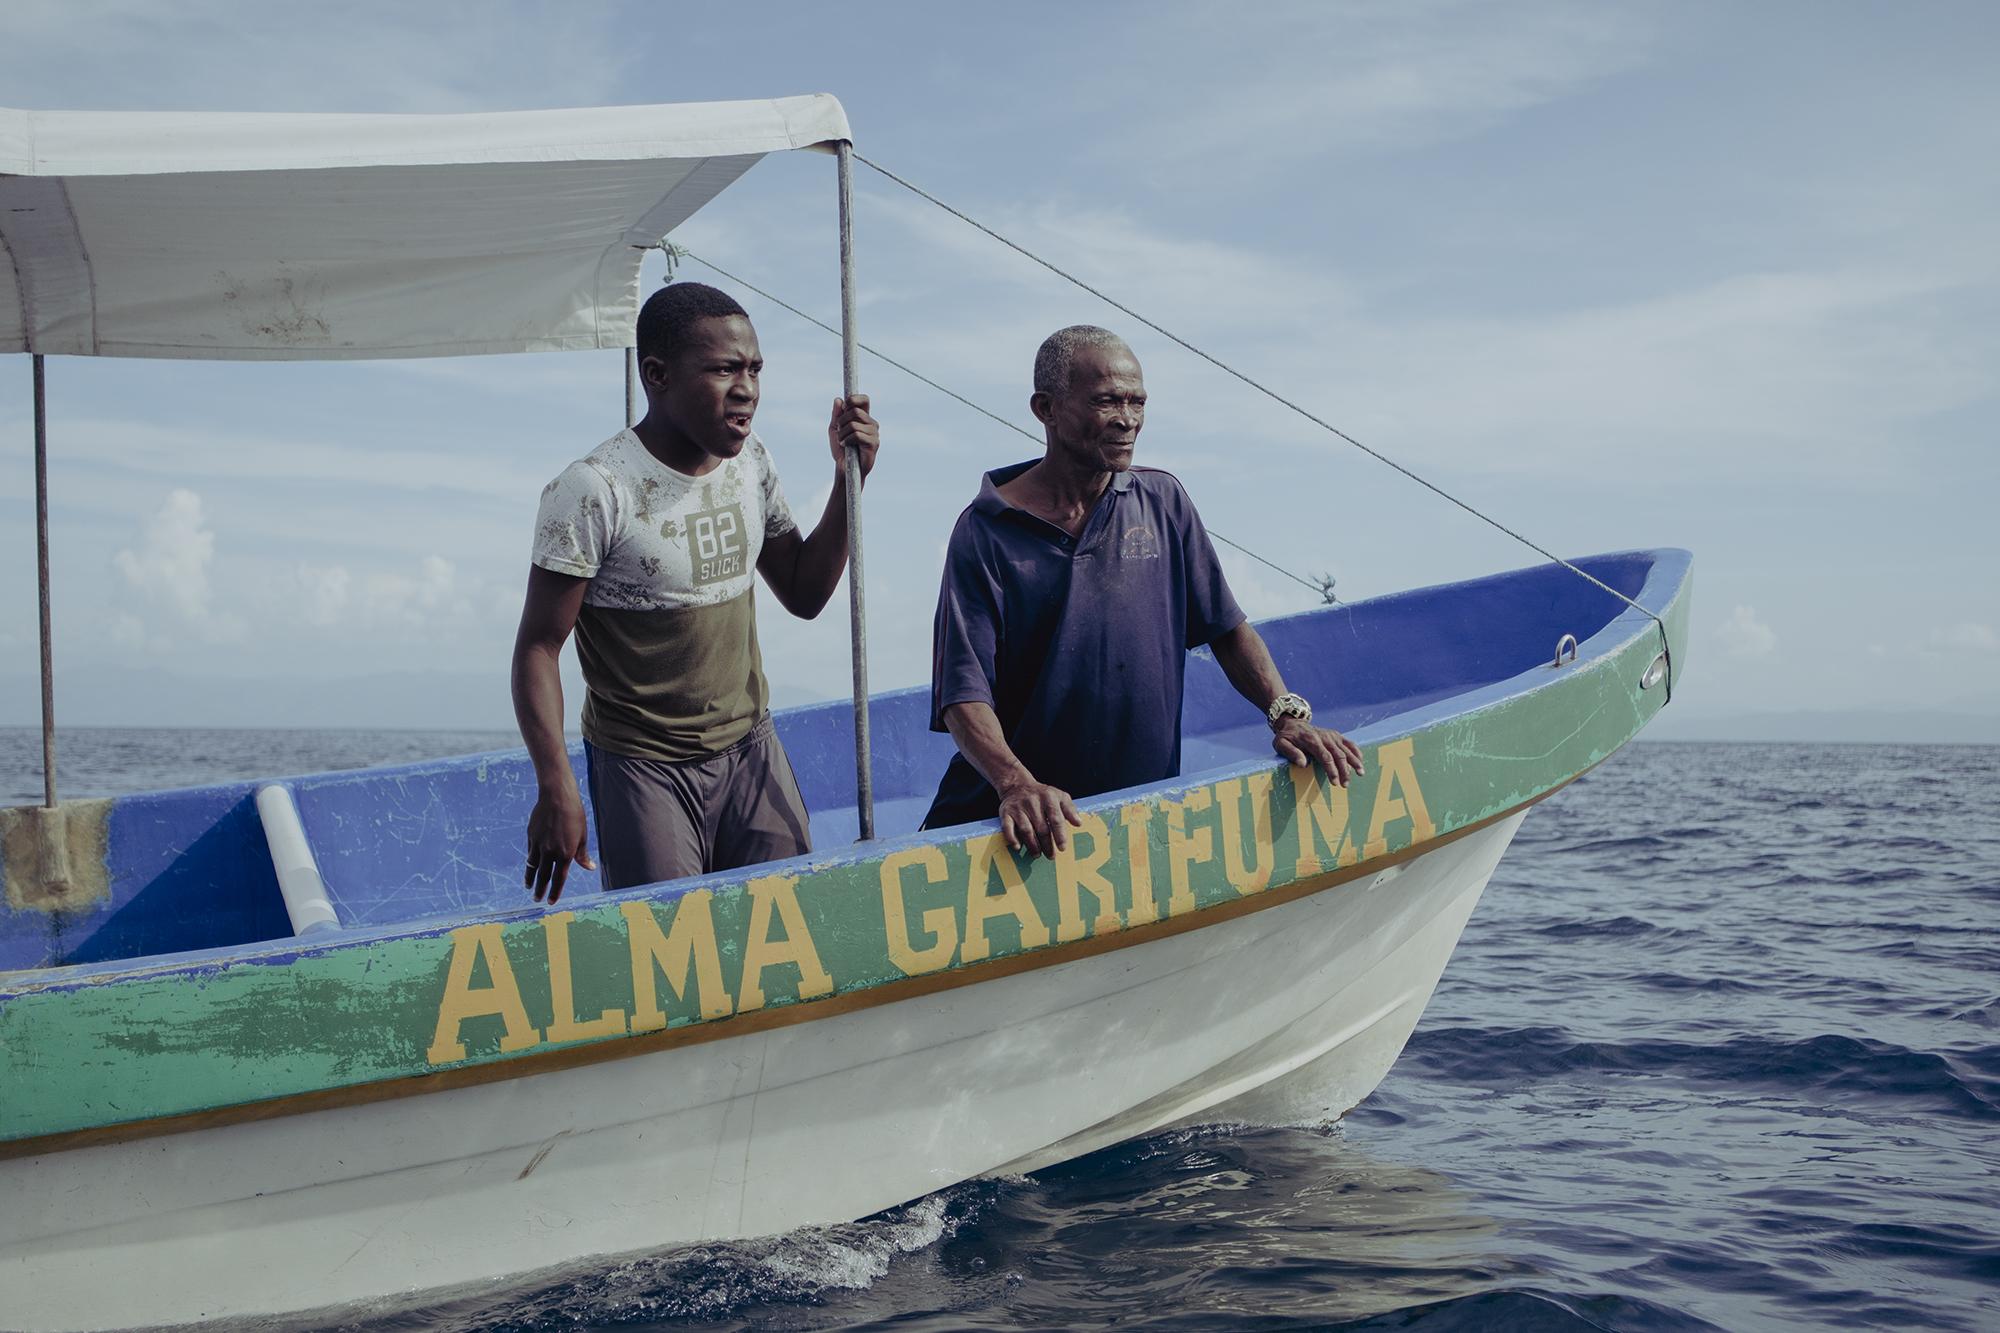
x=1073, y=587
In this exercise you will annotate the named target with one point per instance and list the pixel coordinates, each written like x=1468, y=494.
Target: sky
x=1706, y=275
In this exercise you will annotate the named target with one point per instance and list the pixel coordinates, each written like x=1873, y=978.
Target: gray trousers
x=658, y=820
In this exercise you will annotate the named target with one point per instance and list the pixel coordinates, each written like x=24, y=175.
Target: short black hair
x=670, y=312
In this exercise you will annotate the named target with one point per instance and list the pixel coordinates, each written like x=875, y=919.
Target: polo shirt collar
x=989, y=502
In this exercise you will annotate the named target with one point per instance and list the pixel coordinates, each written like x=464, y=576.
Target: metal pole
x=631, y=373
x=864, y=778
x=42, y=580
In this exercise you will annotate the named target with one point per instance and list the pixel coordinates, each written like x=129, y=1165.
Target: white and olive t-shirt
x=668, y=631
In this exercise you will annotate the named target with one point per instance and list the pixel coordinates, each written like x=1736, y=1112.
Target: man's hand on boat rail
x=1032, y=815
x=1301, y=743
x=557, y=835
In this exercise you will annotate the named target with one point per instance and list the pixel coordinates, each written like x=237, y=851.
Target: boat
x=271, y=1050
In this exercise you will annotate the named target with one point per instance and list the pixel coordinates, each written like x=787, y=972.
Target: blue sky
x=1709, y=275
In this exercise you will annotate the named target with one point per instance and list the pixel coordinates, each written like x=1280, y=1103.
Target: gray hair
x=1058, y=354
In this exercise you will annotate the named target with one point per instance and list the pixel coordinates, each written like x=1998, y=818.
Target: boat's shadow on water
x=1216, y=1227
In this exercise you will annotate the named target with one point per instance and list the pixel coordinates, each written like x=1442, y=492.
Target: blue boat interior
x=430, y=842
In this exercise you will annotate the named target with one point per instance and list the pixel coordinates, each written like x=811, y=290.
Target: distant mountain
x=92, y=696
x=88, y=696
x=1890, y=726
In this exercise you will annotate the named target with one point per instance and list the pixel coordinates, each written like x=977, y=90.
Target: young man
x=646, y=547
x=1073, y=588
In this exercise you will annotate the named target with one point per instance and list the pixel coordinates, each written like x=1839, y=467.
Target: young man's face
x=1096, y=420
x=708, y=391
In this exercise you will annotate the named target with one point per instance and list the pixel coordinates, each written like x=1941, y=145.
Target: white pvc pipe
x=298, y=874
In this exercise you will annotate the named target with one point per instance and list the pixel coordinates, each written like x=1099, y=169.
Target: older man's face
x=1096, y=420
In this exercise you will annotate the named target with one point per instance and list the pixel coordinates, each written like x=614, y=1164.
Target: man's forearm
x=823, y=557
x=538, y=708
x=976, y=728
x=1034, y=816
x=1245, y=659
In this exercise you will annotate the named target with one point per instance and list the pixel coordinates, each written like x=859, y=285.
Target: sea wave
x=1522, y=1311
x=1831, y=1064
x=713, y=1282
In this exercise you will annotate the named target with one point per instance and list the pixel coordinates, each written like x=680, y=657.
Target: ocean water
x=1719, y=1049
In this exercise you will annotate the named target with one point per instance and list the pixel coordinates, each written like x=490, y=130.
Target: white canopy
x=333, y=237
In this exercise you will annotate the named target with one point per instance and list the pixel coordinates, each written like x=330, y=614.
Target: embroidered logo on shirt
x=1139, y=544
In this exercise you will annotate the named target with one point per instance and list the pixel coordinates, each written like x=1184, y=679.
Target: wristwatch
x=1288, y=706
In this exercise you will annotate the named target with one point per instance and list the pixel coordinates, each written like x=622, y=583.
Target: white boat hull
x=1289, y=1014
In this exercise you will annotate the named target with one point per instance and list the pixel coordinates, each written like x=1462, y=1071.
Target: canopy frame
x=50, y=297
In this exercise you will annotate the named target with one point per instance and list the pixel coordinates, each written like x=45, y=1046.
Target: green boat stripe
x=155, y=1049
x=553, y=1058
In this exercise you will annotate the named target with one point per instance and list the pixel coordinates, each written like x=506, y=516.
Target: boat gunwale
x=1665, y=578
x=498, y=1069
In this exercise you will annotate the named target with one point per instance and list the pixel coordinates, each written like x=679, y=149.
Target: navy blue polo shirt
x=1078, y=644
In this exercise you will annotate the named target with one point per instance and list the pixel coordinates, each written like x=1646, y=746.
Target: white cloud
x=224, y=453
x=172, y=560
x=323, y=593
x=1297, y=82
x=429, y=596
x=1744, y=635
x=1454, y=230
x=1754, y=370
x=1966, y=636
x=129, y=632
x=169, y=571
x=1260, y=590
x=449, y=55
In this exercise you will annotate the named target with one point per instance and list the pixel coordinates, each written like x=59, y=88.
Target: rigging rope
x=1665, y=648
x=1323, y=586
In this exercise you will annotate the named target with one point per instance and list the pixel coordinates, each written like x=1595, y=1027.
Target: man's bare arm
x=803, y=571
x=1032, y=813
x=1246, y=660
x=557, y=831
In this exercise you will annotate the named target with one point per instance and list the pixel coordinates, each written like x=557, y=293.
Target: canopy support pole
x=631, y=358
x=864, y=778
x=42, y=583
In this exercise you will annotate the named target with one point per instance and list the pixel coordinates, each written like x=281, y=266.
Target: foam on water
x=692, y=1286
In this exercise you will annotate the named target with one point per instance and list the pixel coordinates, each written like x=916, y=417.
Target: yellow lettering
x=938, y=922
x=1322, y=806
x=1184, y=848
x=502, y=999
x=1077, y=874
x=1255, y=878
x=1397, y=796
x=1137, y=819
x=688, y=946
x=761, y=951
x=988, y=855
x=563, y=1024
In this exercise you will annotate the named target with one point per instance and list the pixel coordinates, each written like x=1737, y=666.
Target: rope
x=1285, y=402
x=916, y=375
x=1323, y=587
